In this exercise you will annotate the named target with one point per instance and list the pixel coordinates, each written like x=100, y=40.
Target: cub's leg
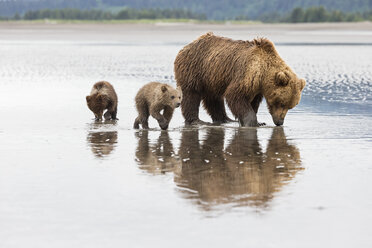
x=99, y=115
x=168, y=113
x=107, y=115
x=114, y=113
x=143, y=120
x=111, y=113
x=155, y=112
x=143, y=116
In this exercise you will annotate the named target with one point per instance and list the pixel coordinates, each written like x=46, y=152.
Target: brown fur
x=103, y=96
x=212, y=68
x=151, y=99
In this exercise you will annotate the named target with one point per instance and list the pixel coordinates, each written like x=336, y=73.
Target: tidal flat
x=68, y=181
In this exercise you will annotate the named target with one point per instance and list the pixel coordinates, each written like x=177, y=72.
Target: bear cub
x=154, y=97
x=103, y=96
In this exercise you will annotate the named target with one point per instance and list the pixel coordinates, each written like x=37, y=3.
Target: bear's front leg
x=107, y=115
x=98, y=115
x=240, y=106
x=168, y=113
x=163, y=124
x=155, y=112
x=255, y=104
x=249, y=119
x=113, y=112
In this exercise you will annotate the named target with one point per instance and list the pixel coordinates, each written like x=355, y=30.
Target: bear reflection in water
x=102, y=143
x=210, y=173
x=157, y=158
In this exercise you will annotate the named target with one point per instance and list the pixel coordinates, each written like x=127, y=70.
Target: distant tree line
x=297, y=15
x=320, y=14
x=214, y=9
x=125, y=14
x=314, y=14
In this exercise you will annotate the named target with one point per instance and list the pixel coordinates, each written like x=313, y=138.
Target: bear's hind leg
x=113, y=112
x=143, y=116
x=145, y=124
x=136, y=123
x=143, y=120
x=215, y=107
x=107, y=115
x=190, y=106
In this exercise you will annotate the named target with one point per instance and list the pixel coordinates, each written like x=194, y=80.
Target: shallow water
x=67, y=181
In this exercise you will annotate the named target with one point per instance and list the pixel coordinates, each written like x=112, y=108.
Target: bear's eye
x=172, y=97
x=179, y=97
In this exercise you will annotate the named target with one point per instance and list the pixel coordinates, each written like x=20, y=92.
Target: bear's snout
x=278, y=115
x=279, y=122
x=178, y=104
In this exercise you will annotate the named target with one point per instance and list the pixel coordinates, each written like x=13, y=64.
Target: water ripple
x=333, y=73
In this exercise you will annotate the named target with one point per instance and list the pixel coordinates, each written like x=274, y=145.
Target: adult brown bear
x=212, y=68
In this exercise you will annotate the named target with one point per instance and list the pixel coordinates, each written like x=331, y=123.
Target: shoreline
x=184, y=32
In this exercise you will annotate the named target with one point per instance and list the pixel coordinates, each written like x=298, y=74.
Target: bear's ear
x=281, y=79
x=100, y=98
x=164, y=88
x=179, y=90
x=302, y=84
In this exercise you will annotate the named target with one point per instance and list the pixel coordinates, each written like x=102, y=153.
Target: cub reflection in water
x=102, y=143
x=240, y=174
x=157, y=158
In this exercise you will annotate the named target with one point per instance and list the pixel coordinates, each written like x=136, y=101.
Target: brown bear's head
x=170, y=96
x=283, y=93
x=96, y=103
x=89, y=102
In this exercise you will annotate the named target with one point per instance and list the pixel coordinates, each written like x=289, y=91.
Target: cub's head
x=170, y=96
x=89, y=102
x=283, y=93
x=96, y=102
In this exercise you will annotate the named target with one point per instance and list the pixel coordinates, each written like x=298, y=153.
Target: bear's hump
x=265, y=44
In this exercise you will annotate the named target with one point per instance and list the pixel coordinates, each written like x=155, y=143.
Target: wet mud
x=69, y=181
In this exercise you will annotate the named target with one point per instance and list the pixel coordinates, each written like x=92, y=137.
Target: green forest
x=125, y=14
x=258, y=10
x=297, y=15
x=313, y=14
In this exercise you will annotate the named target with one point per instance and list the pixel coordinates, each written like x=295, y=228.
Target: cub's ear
x=302, y=84
x=88, y=98
x=281, y=79
x=100, y=98
x=179, y=90
x=164, y=88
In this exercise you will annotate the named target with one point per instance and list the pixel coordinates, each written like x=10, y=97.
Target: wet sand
x=67, y=181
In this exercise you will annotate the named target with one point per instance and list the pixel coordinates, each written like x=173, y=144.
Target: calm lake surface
x=67, y=181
